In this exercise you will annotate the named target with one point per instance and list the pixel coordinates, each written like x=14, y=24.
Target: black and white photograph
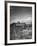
x=20, y=22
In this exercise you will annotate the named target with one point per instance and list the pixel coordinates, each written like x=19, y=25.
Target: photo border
x=6, y=22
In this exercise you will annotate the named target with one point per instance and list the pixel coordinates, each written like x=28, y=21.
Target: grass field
x=18, y=32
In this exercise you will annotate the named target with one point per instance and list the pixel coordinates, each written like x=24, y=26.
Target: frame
x=7, y=23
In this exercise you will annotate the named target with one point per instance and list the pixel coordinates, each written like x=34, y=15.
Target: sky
x=22, y=14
